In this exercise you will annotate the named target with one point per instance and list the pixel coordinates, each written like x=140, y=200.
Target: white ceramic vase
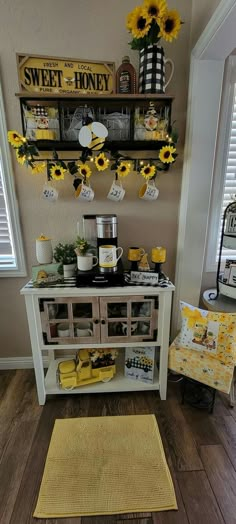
x=68, y=270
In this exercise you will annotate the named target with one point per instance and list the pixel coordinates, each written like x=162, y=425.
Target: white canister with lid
x=44, y=253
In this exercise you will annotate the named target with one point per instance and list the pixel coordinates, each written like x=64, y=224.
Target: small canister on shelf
x=44, y=252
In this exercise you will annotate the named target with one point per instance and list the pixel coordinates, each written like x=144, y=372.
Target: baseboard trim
x=20, y=363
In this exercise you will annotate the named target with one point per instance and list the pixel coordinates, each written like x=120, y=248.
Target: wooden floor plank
x=201, y=425
x=132, y=516
x=12, y=466
x=72, y=520
x=29, y=489
x=116, y=519
x=179, y=436
x=136, y=521
x=221, y=407
x=222, y=478
x=13, y=407
x=198, y=498
x=106, y=519
x=226, y=429
x=6, y=377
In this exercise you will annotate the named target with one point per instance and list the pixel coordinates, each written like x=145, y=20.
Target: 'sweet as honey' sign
x=43, y=74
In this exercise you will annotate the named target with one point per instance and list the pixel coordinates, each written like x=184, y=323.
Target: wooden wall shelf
x=123, y=115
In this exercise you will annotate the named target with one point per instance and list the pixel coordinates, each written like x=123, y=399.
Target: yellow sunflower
x=38, y=168
x=139, y=22
x=166, y=154
x=57, y=172
x=155, y=8
x=148, y=171
x=170, y=25
x=85, y=170
x=20, y=159
x=123, y=169
x=15, y=139
x=129, y=21
x=101, y=162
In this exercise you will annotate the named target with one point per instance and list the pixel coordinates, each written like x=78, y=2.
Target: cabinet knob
x=103, y=321
x=96, y=321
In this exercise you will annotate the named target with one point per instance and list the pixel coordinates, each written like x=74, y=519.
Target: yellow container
x=158, y=255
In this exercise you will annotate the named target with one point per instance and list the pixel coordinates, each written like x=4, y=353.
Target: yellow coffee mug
x=158, y=254
x=135, y=254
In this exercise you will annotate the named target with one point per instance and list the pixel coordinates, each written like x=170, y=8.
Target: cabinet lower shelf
x=118, y=383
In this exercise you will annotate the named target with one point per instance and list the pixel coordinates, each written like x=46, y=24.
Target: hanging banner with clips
x=44, y=74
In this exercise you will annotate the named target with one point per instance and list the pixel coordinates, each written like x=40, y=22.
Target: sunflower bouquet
x=152, y=21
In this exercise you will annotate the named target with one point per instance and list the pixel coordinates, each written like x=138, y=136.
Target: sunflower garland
x=101, y=162
x=167, y=154
x=27, y=154
x=15, y=139
x=38, y=167
x=57, y=172
x=152, y=21
x=21, y=159
x=84, y=170
x=148, y=171
x=123, y=169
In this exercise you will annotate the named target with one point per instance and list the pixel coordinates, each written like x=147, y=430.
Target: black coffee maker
x=100, y=230
x=106, y=229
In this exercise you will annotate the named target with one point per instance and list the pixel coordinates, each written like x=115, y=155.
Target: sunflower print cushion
x=208, y=332
x=205, y=348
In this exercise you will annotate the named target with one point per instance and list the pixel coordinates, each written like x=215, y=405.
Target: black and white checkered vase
x=152, y=70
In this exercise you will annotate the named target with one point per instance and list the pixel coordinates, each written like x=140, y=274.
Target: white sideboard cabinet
x=118, y=317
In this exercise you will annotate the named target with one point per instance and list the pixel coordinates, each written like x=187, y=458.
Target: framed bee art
x=44, y=74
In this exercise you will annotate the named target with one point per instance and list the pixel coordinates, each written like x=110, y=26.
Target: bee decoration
x=69, y=81
x=93, y=136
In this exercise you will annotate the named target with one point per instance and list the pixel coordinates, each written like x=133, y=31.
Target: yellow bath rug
x=105, y=465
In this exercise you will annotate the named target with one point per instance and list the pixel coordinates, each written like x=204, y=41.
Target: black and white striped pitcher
x=152, y=70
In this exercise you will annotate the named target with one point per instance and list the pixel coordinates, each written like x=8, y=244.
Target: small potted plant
x=65, y=255
x=85, y=260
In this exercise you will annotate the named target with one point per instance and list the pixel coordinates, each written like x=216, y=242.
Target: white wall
x=202, y=11
x=92, y=30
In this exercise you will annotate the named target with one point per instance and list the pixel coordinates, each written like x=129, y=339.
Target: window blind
x=7, y=257
x=229, y=193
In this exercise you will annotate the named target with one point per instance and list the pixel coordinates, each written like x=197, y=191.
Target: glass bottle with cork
x=126, y=77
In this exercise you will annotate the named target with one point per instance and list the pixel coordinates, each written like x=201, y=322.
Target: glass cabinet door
x=72, y=320
x=128, y=319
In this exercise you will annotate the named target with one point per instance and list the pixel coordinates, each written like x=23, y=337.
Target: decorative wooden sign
x=44, y=74
x=144, y=277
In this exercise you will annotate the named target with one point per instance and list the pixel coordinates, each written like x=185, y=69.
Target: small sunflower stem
x=116, y=177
